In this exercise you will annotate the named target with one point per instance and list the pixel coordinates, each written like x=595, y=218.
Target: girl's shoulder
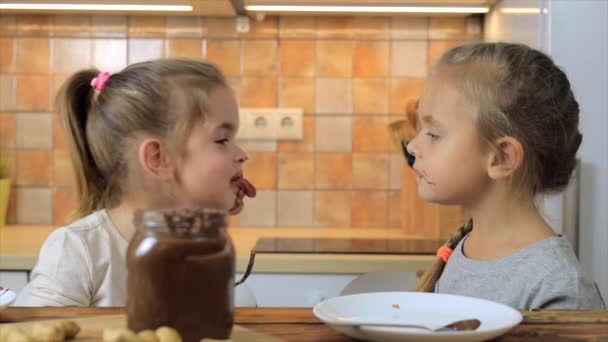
x=89, y=233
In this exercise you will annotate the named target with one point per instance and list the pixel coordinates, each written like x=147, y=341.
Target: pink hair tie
x=99, y=82
x=444, y=253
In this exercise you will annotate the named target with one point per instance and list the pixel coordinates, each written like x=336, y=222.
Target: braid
x=427, y=281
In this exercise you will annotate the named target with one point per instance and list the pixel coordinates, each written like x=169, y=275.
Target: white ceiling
x=226, y=8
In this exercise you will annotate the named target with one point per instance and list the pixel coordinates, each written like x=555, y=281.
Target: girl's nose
x=241, y=156
x=412, y=147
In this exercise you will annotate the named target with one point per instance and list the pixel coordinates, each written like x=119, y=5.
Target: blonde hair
x=163, y=98
x=521, y=93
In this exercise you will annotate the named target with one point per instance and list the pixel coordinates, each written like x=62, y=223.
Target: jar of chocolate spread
x=181, y=267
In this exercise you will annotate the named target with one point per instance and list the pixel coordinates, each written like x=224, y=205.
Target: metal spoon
x=2, y=290
x=461, y=325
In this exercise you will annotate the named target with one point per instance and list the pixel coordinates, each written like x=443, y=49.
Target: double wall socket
x=270, y=124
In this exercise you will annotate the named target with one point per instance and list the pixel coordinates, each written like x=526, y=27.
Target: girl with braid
x=497, y=125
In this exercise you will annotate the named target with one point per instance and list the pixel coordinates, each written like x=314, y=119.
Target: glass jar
x=181, y=266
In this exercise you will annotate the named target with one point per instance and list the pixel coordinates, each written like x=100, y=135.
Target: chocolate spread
x=181, y=267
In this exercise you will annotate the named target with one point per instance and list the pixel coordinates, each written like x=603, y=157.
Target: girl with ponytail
x=158, y=134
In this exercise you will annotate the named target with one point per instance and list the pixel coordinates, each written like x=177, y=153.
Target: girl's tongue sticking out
x=245, y=186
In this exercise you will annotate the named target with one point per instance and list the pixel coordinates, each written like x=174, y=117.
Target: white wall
x=517, y=28
x=575, y=34
x=578, y=41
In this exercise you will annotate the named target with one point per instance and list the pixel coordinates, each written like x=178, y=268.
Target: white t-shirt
x=82, y=264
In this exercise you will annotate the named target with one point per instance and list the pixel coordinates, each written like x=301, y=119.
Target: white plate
x=417, y=308
x=6, y=299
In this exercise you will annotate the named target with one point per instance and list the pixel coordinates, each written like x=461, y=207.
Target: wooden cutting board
x=92, y=329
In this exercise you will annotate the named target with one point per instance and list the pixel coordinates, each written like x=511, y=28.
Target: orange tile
x=267, y=28
x=226, y=54
x=186, y=48
x=34, y=168
x=334, y=96
x=8, y=97
x=261, y=169
x=447, y=27
x=71, y=26
x=394, y=209
x=369, y=209
x=63, y=172
x=307, y=143
x=371, y=134
x=371, y=59
x=8, y=129
x=260, y=57
x=297, y=27
x=297, y=57
x=334, y=27
x=34, y=131
x=296, y=170
x=58, y=134
x=409, y=58
x=259, y=92
x=370, y=95
x=33, y=25
x=64, y=206
x=437, y=48
x=406, y=27
x=297, y=92
x=294, y=209
x=57, y=81
x=333, y=134
x=184, y=26
x=333, y=171
x=110, y=54
x=8, y=25
x=396, y=170
x=370, y=171
x=34, y=205
x=371, y=27
x=71, y=55
x=147, y=26
x=109, y=26
x=33, y=92
x=260, y=211
x=7, y=55
x=333, y=208
x=33, y=55
x=218, y=27
x=141, y=50
x=403, y=91
x=335, y=58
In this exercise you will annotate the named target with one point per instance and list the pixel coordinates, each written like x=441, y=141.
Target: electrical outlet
x=261, y=125
x=289, y=124
x=270, y=124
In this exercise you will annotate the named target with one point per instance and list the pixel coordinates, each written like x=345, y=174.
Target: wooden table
x=300, y=325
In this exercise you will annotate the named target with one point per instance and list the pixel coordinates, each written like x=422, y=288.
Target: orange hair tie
x=444, y=253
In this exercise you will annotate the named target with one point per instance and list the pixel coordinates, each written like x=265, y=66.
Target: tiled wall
x=351, y=75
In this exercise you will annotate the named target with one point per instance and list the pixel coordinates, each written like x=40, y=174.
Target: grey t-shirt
x=542, y=275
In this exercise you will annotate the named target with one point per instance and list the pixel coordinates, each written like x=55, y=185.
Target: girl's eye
x=222, y=141
x=432, y=136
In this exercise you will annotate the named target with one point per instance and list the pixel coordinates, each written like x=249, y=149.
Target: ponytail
x=74, y=102
x=427, y=281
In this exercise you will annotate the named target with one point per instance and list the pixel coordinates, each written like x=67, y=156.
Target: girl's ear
x=154, y=160
x=505, y=158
